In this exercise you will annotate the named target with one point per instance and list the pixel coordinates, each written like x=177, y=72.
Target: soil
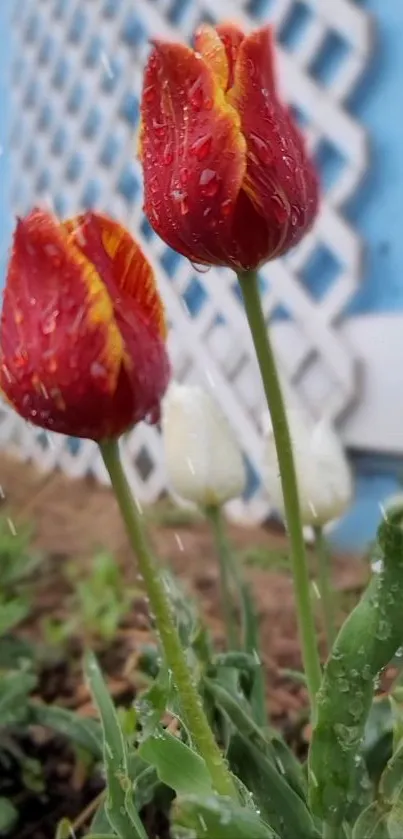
x=72, y=519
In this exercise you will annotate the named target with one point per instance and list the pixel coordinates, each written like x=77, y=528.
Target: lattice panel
x=76, y=83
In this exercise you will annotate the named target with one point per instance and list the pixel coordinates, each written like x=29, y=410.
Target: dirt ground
x=74, y=518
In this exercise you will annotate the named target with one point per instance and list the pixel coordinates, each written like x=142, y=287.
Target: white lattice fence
x=76, y=84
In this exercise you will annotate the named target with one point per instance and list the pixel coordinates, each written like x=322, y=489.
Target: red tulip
x=227, y=178
x=82, y=346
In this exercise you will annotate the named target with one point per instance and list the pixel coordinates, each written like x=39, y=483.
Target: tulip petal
x=231, y=36
x=193, y=153
x=126, y=271
x=138, y=308
x=61, y=349
x=280, y=180
x=209, y=44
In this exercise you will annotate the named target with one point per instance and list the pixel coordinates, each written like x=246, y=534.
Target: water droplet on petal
x=209, y=182
x=201, y=148
x=184, y=176
x=279, y=209
x=262, y=148
x=49, y=324
x=201, y=269
x=198, y=98
x=226, y=207
x=18, y=316
x=296, y=217
x=149, y=94
x=52, y=365
x=159, y=129
x=97, y=370
x=167, y=155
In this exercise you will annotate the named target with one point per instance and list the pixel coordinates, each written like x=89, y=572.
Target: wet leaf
x=126, y=822
x=219, y=818
x=177, y=764
x=371, y=824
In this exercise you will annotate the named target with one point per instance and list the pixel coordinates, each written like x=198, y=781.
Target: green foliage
x=101, y=600
x=366, y=643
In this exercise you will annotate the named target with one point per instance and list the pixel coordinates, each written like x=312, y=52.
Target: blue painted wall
x=377, y=209
x=5, y=60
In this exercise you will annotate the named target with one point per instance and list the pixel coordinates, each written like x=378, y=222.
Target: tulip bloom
x=203, y=459
x=82, y=348
x=227, y=178
x=323, y=474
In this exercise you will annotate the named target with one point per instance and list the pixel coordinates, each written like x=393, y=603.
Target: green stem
x=325, y=586
x=191, y=704
x=227, y=572
x=250, y=290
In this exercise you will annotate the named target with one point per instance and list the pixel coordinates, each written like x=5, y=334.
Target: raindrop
x=149, y=94
x=343, y=685
x=366, y=672
x=315, y=589
x=279, y=210
x=296, y=216
x=12, y=526
x=18, y=316
x=179, y=542
x=251, y=68
x=159, y=129
x=167, y=155
x=52, y=365
x=202, y=147
x=198, y=98
x=32, y=301
x=226, y=207
x=6, y=372
x=190, y=466
x=49, y=324
x=184, y=177
x=355, y=706
x=201, y=269
x=347, y=735
x=97, y=370
x=106, y=65
x=209, y=183
x=383, y=630
x=261, y=147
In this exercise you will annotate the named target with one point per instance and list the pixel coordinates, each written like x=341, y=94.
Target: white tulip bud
x=203, y=459
x=323, y=475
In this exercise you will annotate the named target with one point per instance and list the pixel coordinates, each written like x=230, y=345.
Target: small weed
x=267, y=559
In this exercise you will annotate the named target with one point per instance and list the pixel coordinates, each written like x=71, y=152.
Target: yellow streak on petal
x=100, y=312
x=209, y=44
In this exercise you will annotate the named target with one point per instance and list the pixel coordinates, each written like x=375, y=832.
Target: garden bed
x=74, y=519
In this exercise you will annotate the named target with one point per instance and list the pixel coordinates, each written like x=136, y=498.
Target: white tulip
x=323, y=475
x=203, y=459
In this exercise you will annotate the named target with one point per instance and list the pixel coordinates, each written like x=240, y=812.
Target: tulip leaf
x=257, y=696
x=216, y=817
x=371, y=824
x=266, y=740
x=278, y=803
x=366, y=643
x=395, y=817
x=177, y=765
x=126, y=822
